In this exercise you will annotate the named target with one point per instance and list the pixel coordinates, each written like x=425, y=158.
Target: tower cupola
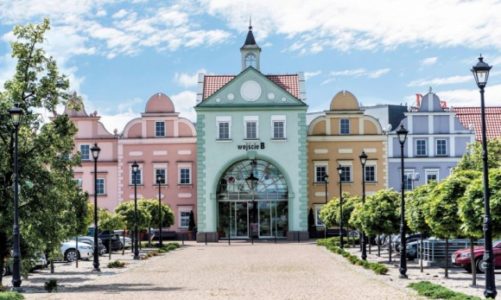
x=250, y=51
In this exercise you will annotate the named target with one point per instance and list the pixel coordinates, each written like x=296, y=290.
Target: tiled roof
x=212, y=83
x=470, y=116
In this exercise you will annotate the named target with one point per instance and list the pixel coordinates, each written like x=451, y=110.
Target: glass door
x=241, y=223
x=265, y=219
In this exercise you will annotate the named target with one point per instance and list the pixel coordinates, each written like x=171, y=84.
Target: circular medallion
x=230, y=96
x=284, y=99
x=218, y=100
x=250, y=90
x=271, y=96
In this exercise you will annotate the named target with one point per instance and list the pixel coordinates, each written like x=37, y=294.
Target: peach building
x=162, y=143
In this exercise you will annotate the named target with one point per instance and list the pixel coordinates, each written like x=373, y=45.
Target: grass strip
x=332, y=245
x=10, y=296
x=436, y=291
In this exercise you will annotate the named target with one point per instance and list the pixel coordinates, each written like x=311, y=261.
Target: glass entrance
x=252, y=201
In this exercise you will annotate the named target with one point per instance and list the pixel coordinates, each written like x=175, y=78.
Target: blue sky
x=118, y=53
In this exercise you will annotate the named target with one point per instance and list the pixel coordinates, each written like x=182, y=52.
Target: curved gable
x=344, y=100
x=186, y=128
x=317, y=126
x=133, y=129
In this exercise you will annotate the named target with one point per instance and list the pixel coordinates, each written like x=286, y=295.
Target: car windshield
x=497, y=244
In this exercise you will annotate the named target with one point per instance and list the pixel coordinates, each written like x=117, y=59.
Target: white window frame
x=251, y=119
x=223, y=119
x=370, y=164
x=409, y=173
x=165, y=129
x=425, y=147
x=278, y=118
x=160, y=167
x=181, y=210
x=436, y=147
x=141, y=174
x=347, y=164
x=88, y=153
x=104, y=186
x=435, y=172
x=316, y=212
x=184, y=166
x=318, y=164
x=341, y=126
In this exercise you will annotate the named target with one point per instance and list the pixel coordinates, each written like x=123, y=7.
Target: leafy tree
x=473, y=159
x=415, y=211
x=331, y=213
x=441, y=211
x=50, y=200
x=110, y=221
x=126, y=210
x=151, y=206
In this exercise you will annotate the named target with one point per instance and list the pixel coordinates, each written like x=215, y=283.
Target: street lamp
x=481, y=73
x=159, y=179
x=402, y=136
x=252, y=183
x=135, y=169
x=363, y=161
x=95, y=154
x=340, y=172
x=16, y=113
x=326, y=182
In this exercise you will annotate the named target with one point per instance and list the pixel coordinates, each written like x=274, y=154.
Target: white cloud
x=386, y=24
x=120, y=14
x=440, y=81
x=188, y=80
x=429, y=61
x=128, y=105
x=184, y=102
x=360, y=72
x=117, y=121
x=309, y=75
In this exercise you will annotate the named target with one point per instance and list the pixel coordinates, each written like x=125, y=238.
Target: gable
x=252, y=89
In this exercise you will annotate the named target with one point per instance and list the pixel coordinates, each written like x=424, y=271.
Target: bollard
x=298, y=236
x=182, y=238
x=76, y=239
x=206, y=239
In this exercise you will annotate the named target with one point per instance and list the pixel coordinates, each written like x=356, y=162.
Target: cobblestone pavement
x=219, y=271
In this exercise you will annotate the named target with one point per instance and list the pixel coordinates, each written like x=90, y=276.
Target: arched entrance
x=252, y=200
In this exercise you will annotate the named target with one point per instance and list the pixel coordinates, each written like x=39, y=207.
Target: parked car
x=38, y=261
x=89, y=240
x=409, y=239
x=70, y=252
x=107, y=236
x=128, y=240
x=463, y=259
x=412, y=250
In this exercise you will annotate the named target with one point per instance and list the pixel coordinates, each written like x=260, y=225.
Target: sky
x=119, y=53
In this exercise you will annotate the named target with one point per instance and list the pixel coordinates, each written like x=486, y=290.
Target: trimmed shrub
x=11, y=296
x=51, y=286
x=435, y=291
x=116, y=264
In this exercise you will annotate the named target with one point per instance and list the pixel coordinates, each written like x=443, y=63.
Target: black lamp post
x=16, y=114
x=135, y=169
x=402, y=136
x=95, y=154
x=481, y=73
x=340, y=172
x=252, y=183
x=363, y=160
x=326, y=182
x=159, y=179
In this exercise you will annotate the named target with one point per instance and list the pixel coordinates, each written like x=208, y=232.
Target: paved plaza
x=219, y=271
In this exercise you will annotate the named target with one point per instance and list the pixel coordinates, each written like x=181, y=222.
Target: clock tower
x=250, y=51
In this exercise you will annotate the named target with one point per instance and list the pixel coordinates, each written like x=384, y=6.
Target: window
x=318, y=220
x=344, y=126
x=441, y=147
x=184, y=175
x=320, y=172
x=408, y=180
x=345, y=174
x=184, y=218
x=370, y=173
x=421, y=148
x=160, y=173
x=85, y=152
x=138, y=178
x=431, y=175
x=160, y=128
x=223, y=128
x=278, y=127
x=250, y=60
x=251, y=130
x=78, y=181
x=100, y=186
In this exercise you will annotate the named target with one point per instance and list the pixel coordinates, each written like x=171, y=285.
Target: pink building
x=162, y=143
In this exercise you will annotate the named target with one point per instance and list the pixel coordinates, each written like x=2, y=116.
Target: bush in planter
x=51, y=285
x=116, y=264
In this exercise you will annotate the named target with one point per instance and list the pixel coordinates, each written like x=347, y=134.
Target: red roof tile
x=470, y=116
x=212, y=83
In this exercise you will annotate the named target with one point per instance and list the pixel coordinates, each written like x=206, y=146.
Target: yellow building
x=337, y=139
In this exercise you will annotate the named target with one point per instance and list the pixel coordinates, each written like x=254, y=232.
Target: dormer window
x=159, y=129
x=250, y=60
x=344, y=126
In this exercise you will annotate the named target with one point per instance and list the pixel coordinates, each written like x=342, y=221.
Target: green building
x=251, y=153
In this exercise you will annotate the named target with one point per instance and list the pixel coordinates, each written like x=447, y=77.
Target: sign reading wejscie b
x=251, y=146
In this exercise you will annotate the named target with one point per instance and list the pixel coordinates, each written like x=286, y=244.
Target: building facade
x=251, y=153
x=435, y=143
x=162, y=143
x=336, y=140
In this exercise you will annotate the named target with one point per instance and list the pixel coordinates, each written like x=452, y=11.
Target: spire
x=250, y=36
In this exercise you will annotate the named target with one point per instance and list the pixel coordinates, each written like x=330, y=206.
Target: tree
x=126, y=210
x=151, y=206
x=415, y=214
x=381, y=213
x=473, y=159
x=50, y=200
x=441, y=211
x=331, y=213
x=110, y=221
